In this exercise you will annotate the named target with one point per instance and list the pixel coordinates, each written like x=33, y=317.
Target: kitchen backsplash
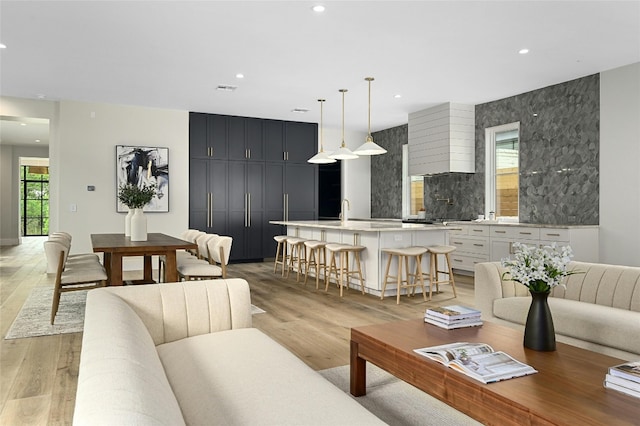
x=559, y=159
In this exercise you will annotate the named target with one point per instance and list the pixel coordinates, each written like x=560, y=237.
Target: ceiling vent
x=226, y=87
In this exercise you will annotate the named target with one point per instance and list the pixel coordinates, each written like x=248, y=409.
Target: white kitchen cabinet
x=472, y=246
x=478, y=242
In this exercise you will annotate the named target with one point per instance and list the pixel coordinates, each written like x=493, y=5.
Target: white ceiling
x=173, y=54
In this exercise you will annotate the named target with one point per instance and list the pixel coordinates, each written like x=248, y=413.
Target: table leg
x=148, y=272
x=116, y=269
x=358, y=372
x=106, y=261
x=171, y=268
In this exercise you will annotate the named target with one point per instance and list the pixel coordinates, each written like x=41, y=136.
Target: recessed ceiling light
x=40, y=96
x=523, y=51
x=300, y=110
x=398, y=96
x=37, y=140
x=239, y=75
x=23, y=124
x=3, y=46
x=318, y=8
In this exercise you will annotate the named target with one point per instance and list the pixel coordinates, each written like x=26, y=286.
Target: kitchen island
x=374, y=235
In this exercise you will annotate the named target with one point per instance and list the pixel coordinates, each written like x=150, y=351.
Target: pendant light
x=321, y=157
x=343, y=153
x=369, y=147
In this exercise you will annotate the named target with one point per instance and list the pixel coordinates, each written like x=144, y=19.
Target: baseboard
x=9, y=241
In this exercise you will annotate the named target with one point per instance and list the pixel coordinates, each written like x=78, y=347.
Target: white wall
x=356, y=174
x=88, y=135
x=620, y=166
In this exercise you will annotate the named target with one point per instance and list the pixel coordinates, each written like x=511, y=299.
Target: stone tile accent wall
x=559, y=159
x=386, y=173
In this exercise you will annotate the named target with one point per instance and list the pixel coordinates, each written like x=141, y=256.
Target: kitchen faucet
x=343, y=216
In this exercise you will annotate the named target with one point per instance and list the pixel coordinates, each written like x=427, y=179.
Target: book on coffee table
x=628, y=370
x=478, y=361
x=453, y=312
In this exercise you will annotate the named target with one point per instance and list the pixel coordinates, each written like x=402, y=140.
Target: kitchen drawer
x=515, y=232
x=459, y=230
x=470, y=245
x=479, y=230
x=466, y=263
x=554, y=234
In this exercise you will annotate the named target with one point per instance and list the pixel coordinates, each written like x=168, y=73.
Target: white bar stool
x=434, y=272
x=317, y=259
x=403, y=255
x=343, y=269
x=282, y=246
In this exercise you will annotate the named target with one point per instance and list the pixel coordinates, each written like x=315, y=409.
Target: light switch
x=73, y=208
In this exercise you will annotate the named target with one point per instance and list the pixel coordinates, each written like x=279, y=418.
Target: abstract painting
x=140, y=165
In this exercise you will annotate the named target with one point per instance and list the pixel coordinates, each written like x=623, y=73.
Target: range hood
x=442, y=140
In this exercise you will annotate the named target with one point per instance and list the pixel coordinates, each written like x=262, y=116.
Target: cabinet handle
x=287, y=207
x=284, y=155
x=500, y=232
x=525, y=233
x=478, y=230
x=284, y=206
x=457, y=260
x=208, y=210
x=249, y=210
x=479, y=245
x=553, y=235
x=249, y=153
x=245, y=209
x=458, y=243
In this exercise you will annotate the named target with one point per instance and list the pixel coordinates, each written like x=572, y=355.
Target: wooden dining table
x=116, y=246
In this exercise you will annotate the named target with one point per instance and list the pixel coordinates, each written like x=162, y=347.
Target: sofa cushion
x=617, y=328
x=243, y=377
x=121, y=377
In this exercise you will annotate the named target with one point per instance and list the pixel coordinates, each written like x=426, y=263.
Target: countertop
x=363, y=225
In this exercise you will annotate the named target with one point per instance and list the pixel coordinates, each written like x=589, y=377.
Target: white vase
x=127, y=223
x=138, y=226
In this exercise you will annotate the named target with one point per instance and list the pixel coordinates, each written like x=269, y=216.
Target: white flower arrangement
x=539, y=269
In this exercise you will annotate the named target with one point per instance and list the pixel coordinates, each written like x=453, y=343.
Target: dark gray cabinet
x=208, y=136
x=292, y=195
x=263, y=176
x=208, y=200
x=290, y=141
x=246, y=209
x=245, y=139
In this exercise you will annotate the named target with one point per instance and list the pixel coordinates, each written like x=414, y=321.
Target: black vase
x=539, y=333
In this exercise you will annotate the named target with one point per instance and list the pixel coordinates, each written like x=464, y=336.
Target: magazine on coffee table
x=478, y=361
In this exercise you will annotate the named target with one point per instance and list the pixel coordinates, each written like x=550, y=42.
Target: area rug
x=396, y=402
x=33, y=319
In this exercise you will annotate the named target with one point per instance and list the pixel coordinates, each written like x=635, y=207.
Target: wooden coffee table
x=567, y=390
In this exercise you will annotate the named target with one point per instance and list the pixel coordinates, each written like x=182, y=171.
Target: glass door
x=34, y=200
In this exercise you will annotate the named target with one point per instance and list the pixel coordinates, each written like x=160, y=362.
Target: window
x=34, y=205
x=502, y=170
x=412, y=188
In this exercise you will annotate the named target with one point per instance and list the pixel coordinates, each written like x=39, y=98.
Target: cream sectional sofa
x=599, y=310
x=185, y=353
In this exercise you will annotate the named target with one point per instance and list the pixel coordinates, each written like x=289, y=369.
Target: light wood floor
x=38, y=376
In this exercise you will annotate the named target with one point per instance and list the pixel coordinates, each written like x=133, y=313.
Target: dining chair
x=84, y=275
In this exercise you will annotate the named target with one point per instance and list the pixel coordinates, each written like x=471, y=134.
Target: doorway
x=34, y=196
